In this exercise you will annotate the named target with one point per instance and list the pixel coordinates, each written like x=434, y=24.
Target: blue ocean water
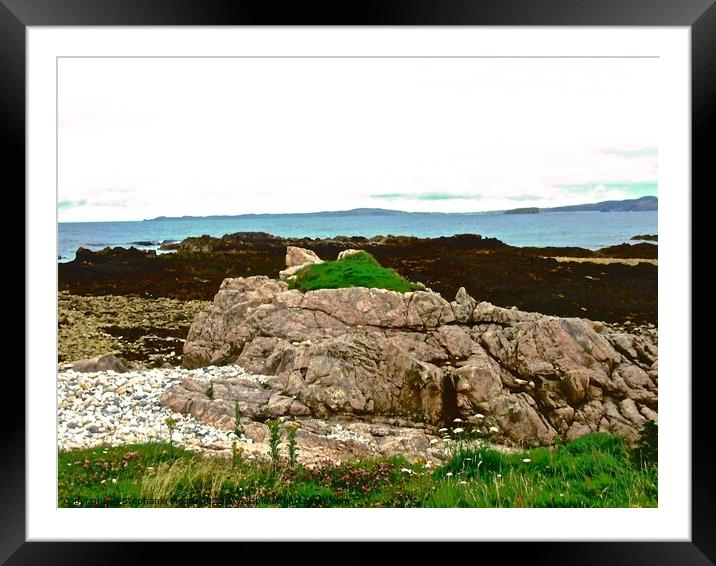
x=589, y=230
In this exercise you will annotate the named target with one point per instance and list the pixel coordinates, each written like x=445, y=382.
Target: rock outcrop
x=370, y=353
x=297, y=259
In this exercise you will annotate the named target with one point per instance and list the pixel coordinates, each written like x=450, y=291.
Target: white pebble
x=92, y=412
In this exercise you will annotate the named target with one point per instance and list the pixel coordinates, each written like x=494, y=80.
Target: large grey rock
x=366, y=353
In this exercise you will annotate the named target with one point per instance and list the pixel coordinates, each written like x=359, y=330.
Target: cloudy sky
x=140, y=138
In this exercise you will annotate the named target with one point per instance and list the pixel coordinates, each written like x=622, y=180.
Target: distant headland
x=642, y=204
x=648, y=203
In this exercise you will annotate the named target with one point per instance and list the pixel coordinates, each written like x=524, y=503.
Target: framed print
x=404, y=275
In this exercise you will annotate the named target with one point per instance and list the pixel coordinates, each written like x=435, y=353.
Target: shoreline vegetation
x=597, y=470
x=140, y=305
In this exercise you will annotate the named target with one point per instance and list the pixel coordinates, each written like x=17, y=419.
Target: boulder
x=360, y=353
x=300, y=256
x=103, y=362
x=296, y=260
x=347, y=253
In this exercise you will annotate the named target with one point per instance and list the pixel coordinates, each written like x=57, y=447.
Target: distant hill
x=639, y=204
x=326, y=213
x=628, y=205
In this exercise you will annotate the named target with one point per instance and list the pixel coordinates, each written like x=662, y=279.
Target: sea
x=591, y=230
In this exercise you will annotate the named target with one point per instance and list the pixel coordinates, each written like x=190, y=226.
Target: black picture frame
x=699, y=15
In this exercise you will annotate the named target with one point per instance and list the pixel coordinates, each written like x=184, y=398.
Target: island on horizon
x=642, y=204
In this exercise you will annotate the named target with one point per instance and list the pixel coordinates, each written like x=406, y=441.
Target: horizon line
x=388, y=210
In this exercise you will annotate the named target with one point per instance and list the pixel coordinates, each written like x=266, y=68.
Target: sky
x=140, y=138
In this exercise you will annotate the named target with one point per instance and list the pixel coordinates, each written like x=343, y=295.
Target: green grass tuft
x=106, y=476
x=357, y=270
x=596, y=470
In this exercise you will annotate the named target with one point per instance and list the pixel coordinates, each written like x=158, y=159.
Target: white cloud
x=148, y=137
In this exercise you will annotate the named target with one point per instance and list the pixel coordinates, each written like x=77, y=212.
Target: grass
x=357, y=270
x=597, y=470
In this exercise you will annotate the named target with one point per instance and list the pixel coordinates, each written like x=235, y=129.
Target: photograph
x=358, y=282
x=402, y=275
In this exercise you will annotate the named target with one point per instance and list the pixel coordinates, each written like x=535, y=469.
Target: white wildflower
x=526, y=460
x=457, y=420
x=494, y=429
x=406, y=470
x=442, y=430
x=114, y=480
x=479, y=416
x=448, y=475
x=434, y=441
x=458, y=430
x=463, y=482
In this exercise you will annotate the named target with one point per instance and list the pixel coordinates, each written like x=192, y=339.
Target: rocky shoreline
x=363, y=372
x=528, y=278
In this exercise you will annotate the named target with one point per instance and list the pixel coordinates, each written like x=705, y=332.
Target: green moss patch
x=357, y=270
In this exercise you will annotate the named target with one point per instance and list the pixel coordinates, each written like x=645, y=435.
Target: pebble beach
x=110, y=408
